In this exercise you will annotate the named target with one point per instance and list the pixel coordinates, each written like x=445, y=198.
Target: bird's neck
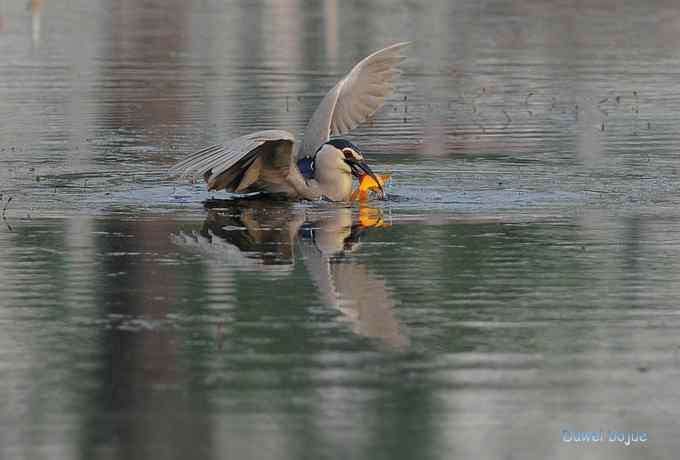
x=336, y=187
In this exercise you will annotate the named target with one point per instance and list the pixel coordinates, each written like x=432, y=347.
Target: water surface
x=520, y=280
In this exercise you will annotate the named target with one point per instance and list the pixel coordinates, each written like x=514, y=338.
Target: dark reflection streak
x=219, y=336
x=56, y=275
x=138, y=409
x=138, y=39
x=143, y=405
x=407, y=413
x=631, y=266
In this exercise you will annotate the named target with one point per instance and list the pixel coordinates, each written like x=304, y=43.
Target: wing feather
x=260, y=160
x=355, y=98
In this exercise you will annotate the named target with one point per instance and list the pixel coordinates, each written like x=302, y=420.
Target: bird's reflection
x=346, y=284
x=252, y=236
x=271, y=237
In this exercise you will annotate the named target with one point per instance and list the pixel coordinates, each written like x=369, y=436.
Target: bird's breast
x=336, y=187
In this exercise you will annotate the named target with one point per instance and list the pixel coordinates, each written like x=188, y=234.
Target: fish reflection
x=268, y=236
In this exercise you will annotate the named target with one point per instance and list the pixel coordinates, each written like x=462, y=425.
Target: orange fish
x=366, y=183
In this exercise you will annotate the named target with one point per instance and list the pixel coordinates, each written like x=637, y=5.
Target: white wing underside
x=354, y=99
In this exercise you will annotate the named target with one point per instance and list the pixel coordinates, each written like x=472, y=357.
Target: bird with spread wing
x=322, y=165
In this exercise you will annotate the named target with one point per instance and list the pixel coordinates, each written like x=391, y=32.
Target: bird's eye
x=349, y=154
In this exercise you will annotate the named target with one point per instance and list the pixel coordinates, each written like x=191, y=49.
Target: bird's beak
x=360, y=168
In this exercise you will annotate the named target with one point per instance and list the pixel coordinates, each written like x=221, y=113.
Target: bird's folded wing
x=353, y=99
x=225, y=165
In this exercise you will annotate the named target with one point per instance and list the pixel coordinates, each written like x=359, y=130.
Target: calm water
x=521, y=279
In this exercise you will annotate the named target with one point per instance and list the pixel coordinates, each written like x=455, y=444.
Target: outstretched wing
x=353, y=99
x=259, y=161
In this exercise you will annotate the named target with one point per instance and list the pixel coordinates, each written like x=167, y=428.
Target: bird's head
x=345, y=156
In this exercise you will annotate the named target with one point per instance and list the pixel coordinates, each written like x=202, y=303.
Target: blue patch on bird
x=306, y=167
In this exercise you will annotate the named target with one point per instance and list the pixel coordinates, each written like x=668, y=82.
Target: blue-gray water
x=521, y=279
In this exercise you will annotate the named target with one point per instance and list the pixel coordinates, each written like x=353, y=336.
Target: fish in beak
x=360, y=169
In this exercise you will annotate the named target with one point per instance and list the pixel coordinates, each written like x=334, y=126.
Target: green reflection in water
x=309, y=327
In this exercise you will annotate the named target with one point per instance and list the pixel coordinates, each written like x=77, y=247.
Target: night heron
x=319, y=167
